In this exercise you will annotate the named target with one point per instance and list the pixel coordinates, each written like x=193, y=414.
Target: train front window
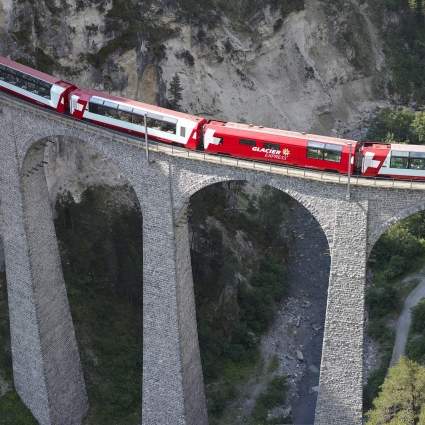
x=399, y=159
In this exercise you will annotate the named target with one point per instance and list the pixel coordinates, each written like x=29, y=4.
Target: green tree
x=392, y=125
x=418, y=127
x=175, y=93
x=402, y=397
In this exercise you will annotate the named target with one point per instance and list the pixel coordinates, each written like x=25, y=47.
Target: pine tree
x=175, y=93
x=402, y=397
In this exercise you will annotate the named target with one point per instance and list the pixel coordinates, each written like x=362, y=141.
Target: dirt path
x=405, y=318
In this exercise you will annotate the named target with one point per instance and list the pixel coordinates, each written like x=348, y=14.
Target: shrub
x=275, y=395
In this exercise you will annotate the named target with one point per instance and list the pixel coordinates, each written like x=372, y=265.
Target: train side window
x=417, y=160
x=315, y=150
x=274, y=146
x=332, y=152
x=399, y=159
x=247, y=142
x=95, y=108
x=161, y=124
x=26, y=82
x=157, y=123
x=111, y=110
x=138, y=119
x=182, y=131
x=124, y=113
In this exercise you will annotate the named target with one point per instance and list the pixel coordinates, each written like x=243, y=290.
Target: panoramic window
x=332, y=152
x=315, y=150
x=326, y=152
x=274, y=146
x=95, y=107
x=138, y=119
x=247, y=142
x=25, y=82
x=417, y=160
x=399, y=159
x=408, y=160
x=127, y=114
x=158, y=122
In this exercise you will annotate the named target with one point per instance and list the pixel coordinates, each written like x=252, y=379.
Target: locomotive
x=245, y=141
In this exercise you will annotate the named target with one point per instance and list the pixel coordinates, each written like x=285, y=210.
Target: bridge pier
x=341, y=373
x=46, y=365
x=173, y=391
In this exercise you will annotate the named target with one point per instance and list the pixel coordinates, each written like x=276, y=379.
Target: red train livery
x=279, y=146
x=245, y=141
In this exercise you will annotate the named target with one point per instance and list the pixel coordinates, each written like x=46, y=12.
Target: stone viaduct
x=46, y=363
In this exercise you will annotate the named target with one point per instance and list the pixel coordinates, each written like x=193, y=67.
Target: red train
x=216, y=137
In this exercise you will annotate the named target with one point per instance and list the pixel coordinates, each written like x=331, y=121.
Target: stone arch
x=36, y=192
x=208, y=180
x=302, y=201
x=307, y=201
x=35, y=141
x=400, y=215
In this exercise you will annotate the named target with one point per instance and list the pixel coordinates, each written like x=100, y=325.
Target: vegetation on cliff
x=404, y=32
x=400, y=125
x=238, y=261
x=101, y=249
x=415, y=348
x=402, y=399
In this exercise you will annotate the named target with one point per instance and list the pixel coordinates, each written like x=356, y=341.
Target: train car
x=34, y=86
x=127, y=115
x=279, y=146
x=393, y=160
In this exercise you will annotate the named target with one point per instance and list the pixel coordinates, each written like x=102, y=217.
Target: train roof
x=137, y=104
x=28, y=70
x=407, y=148
x=231, y=126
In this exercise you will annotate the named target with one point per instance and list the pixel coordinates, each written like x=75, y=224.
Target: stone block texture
x=46, y=364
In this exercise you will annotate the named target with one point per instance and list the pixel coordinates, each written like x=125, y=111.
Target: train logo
x=285, y=153
x=273, y=153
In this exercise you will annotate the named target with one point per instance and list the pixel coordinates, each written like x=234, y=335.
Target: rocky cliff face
x=306, y=65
